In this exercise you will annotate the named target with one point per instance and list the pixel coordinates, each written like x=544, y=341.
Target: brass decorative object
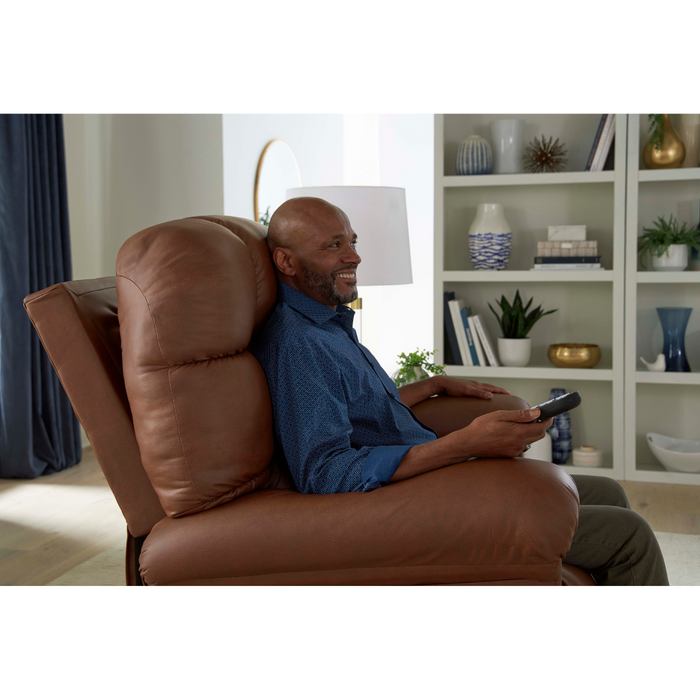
x=665, y=148
x=543, y=156
x=574, y=355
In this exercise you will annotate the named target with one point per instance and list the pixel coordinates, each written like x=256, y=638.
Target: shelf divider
x=551, y=373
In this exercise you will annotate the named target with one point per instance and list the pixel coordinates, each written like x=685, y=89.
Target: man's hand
x=501, y=433
x=455, y=386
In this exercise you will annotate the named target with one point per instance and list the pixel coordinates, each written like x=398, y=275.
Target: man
x=344, y=426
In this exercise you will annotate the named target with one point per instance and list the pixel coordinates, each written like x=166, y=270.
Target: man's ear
x=282, y=258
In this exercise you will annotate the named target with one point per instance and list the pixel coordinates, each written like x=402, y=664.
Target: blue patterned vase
x=490, y=238
x=674, y=321
x=474, y=157
x=560, y=432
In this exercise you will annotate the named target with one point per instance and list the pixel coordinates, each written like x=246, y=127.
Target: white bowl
x=676, y=455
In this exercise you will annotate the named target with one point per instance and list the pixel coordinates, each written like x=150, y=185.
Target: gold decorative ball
x=574, y=355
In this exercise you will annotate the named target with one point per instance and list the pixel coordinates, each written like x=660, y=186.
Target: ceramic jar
x=507, y=139
x=672, y=151
x=514, y=352
x=490, y=238
x=474, y=157
x=560, y=432
x=689, y=129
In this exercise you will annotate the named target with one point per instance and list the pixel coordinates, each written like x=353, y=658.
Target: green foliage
x=656, y=126
x=265, y=218
x=515, y=322
x=657, y=239
x=408, y=364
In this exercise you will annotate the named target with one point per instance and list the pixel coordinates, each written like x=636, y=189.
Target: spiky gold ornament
x=543, y=156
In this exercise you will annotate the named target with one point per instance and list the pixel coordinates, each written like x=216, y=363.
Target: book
x=466, y=313
x=477, y=343
x=456, y=306
x=570, y=260
x=601, y=124
x=566, y=233
x=604, y=144
x=485, y=341
x=450, y=330
x=574, y=266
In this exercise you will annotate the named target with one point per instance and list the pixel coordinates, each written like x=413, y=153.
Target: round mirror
x=278, y=171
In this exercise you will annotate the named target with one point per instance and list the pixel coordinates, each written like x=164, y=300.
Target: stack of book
x=468, y=340
x=567, y=249
x=602, y=143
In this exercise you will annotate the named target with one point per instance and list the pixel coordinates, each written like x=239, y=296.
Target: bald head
x=298, y=219
x=313, y=250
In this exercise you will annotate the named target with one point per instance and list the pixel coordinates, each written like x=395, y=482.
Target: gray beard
x=326, y=287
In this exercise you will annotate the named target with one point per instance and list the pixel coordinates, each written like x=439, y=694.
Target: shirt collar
x=312, y=309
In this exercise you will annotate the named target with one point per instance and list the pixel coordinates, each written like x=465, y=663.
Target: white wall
x=130, y=171
x=316, y=140
x=397, y=151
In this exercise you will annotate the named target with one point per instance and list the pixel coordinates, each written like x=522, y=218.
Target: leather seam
x=207, y=359
x=150, y=312
x=92, y=291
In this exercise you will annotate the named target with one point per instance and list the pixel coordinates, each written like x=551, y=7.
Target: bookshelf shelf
x=527, y=276
x=573, y=178
x=587, y=313
x=551, y=373
x=671, y=175
x=668, y=277
x=682, y=378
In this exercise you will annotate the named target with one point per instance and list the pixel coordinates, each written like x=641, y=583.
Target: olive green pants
x=613, y=543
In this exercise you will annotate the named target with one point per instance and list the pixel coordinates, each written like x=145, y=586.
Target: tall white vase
x=490, y=238
x=507, y=144
x=689, y=130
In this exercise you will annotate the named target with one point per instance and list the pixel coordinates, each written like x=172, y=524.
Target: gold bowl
x=578, y=355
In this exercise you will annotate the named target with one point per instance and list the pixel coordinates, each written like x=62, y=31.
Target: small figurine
x=659, y=365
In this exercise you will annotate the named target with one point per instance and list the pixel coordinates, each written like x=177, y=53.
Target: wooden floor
x=50, y=525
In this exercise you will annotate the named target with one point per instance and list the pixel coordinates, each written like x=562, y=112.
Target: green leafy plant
x=656, y=127
x=414, y=360
x=657, y=239
x=515, y=321
x=265, y=218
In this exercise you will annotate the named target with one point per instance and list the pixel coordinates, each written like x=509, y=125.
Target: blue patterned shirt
x=337, y=414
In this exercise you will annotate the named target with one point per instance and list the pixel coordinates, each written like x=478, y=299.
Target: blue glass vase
x=560, y=432
x=674, y=321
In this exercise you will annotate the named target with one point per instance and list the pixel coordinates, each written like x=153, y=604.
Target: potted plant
x=514, y=346
x=415, y=366
x=667, y=244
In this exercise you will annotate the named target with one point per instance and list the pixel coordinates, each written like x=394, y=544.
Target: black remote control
x=554, y=407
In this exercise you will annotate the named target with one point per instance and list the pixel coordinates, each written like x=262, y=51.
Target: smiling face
x=313, y=248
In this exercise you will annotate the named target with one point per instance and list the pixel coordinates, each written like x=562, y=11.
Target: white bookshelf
x=590, y=304
x=665, y=402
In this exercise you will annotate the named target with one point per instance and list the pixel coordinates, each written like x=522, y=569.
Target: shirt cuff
x=380, y=464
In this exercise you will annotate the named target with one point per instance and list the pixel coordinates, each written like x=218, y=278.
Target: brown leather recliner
x=179, y=416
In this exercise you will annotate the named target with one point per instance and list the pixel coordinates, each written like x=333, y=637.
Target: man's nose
x=352, y=256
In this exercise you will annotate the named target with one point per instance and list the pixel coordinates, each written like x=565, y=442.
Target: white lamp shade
x=378, y=217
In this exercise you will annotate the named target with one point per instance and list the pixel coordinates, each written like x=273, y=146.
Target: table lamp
x=378, y=216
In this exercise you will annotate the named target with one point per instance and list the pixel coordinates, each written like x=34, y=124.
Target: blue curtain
x=39, y=432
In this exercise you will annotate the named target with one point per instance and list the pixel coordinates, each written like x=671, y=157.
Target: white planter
x=674, y=260
x=689, y=130
x=507, y=140
x=490, y=238
x=514, y=352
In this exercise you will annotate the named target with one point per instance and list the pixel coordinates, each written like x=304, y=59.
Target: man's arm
x=414, y=393
x=496, y=434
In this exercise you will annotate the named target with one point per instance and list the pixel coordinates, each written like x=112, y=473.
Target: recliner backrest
x=191, y=293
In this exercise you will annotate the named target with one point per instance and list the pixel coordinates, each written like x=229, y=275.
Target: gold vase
x=671, y=153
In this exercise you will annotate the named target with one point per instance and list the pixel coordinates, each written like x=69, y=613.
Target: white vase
x=689, y=130
x=507, y=141
x=490, y=238
x=514, y=352
x=674, y=260
x=474, y=157
x=542, y=449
